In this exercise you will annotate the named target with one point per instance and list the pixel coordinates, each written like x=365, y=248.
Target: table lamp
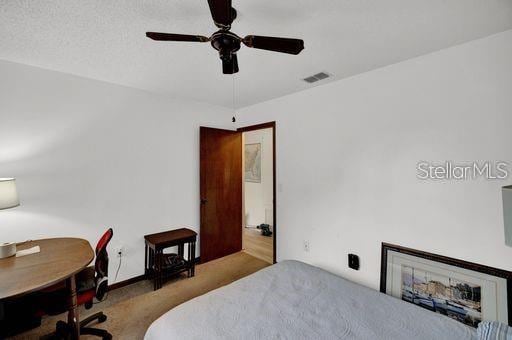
x=8, y=199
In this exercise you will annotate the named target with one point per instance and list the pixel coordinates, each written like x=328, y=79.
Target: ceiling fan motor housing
x=226, y=43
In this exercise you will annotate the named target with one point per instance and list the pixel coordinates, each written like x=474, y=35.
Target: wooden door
x=221, y=193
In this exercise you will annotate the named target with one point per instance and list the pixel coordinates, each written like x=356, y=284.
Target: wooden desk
x=155, y=245
x=59, y=260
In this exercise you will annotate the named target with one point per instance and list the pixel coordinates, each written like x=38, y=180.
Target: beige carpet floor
x=132, y=309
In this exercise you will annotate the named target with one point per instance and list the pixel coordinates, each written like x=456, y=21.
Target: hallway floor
x=257, y=245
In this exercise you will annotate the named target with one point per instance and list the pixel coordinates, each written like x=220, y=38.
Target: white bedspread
x=293, y=300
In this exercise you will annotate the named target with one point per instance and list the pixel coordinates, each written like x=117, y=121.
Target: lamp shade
x=8, y=193
x=507, y=213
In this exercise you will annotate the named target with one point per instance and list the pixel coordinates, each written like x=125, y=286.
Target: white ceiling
x=104, y=39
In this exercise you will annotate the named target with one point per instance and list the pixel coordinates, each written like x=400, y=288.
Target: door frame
x=262, y=126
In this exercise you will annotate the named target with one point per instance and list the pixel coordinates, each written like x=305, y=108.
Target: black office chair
x=91, y=283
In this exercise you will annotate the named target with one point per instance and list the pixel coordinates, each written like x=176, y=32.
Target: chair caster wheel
x=102, y=318
x=61, y=327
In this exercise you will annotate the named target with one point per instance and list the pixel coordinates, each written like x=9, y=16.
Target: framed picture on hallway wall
x=466, y=292
x=253, y=162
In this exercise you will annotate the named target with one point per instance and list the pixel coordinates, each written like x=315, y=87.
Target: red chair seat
x=86, y=297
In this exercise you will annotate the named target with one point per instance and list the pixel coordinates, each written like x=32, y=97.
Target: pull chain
x=233, y=98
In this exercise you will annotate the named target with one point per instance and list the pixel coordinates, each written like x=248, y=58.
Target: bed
x=294, y=300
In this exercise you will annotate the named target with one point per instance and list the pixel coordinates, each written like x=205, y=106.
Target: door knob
x=204, y=200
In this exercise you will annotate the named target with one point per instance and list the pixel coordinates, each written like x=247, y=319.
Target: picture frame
x=467, y=292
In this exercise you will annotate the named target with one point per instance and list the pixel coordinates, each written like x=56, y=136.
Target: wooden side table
x=154, y=256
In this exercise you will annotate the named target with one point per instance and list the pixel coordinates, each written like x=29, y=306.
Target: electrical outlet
x=119, y=251
x=306, y=245
x=353, y=261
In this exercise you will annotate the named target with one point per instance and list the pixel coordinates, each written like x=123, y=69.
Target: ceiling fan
x=227, y=42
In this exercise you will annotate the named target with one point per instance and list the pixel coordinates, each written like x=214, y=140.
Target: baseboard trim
x=136, y=279
x=127, y=282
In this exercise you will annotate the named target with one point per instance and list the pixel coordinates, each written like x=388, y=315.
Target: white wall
x=347, y=155
x=259, y=196
x=88, y=155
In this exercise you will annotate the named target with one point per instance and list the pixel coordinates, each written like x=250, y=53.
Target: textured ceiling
x=105, y=40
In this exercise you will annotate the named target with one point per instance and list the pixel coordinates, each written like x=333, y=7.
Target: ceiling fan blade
x=176, y=37
x=230, y=66
x=283, y=45
x=222, y=13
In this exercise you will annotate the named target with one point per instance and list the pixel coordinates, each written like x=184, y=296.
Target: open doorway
x=258, y=226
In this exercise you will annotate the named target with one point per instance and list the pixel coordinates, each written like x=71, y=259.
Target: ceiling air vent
x=316, y=77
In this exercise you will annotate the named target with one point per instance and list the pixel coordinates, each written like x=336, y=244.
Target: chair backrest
x=101, y=265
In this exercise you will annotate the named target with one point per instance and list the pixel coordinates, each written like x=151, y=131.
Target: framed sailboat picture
x=464, y=291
